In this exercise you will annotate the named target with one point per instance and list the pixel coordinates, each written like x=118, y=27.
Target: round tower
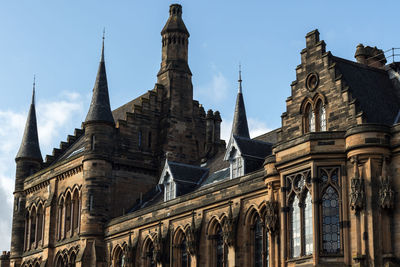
x=28, y=161
x=99, y=129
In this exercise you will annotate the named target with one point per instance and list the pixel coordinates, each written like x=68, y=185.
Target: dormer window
x=170, y=188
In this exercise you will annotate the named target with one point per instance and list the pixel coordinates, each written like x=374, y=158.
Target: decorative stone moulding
x=386, y=192
x=357, y=194
x=312, y=81
x=271, y=216
x=228, y=228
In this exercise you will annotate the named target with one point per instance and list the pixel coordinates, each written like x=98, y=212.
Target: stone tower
x=178, y=106
x=28, y=161
x=97, y=164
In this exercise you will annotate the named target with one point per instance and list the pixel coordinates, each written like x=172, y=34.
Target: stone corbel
x=357, y=193
x=386, y=192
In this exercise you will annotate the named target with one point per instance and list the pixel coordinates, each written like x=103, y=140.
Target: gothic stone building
x=152, y=184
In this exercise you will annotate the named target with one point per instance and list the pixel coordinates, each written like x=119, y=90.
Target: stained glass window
x=295, y=239
x=330, y=221
x=308, y=225
x=258, y=243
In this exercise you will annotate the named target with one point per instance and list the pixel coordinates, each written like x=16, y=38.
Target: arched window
x=33, y=228
x=26, y=241
x=308, y=225
x=295, y=233
x=120, y=258
x=60, y=218
x=330, y=210
x=185, y=259
x=219, y=248
x=75, y=212
x=72, y=260
x=309, y=119
x=60, y=262
x=150, y=255
x=40, y=215
x=68, y=213
x=300, y=219
x=140, y=139
x=321, y=116
x=330, y=222
x=258, y=243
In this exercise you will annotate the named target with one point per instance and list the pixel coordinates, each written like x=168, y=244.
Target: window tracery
x=330, y=209
x=300, y=217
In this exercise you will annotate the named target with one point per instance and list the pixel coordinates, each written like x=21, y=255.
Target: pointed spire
x=240, y=79
x=30, y=141
x=239, y=126
x=100, y=110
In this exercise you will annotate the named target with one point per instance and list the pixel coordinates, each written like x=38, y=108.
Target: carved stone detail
x=271, y=216
x=191, y=237
x=157, y=252
x=386, y=192
x=228, y=228
x=357, y=194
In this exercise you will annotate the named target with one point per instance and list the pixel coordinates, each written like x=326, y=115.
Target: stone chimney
x=5, y=259
x=370, y=56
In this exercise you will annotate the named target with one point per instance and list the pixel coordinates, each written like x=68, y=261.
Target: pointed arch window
x=220, y=248
x=330, y=210
x=300, y=226
x=258, y=243
x=185, y=258
x=321, y=116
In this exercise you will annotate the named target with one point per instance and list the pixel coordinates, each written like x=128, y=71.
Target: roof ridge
x=356, y=64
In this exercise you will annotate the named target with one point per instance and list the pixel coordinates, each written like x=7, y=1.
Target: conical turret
x=239, y=126
x=100, y=110
x=30, y=148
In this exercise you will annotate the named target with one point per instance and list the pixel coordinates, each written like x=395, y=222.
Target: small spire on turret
x=30, y=148
x=100, y=110
x=239, y=126
x=240, y=79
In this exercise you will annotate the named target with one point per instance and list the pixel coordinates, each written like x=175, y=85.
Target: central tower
x=175, y=74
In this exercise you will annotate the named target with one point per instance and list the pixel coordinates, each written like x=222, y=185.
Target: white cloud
x=256, y=128
x=216, y=89
x=55, y=118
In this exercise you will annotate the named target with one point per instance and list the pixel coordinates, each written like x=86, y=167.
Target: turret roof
x=100, y=110
x=30, y=141
x=239, y=126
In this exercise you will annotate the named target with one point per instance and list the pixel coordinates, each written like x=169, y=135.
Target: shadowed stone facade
x=152, y=184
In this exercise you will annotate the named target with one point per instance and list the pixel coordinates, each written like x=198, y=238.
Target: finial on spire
x=102, y=47
x=240, y=79
x=33, y=90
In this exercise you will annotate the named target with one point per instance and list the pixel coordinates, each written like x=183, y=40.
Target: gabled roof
x=184, y=173
x=253, y=148
x=30, y=141
x=248, y=147
x=372, y=89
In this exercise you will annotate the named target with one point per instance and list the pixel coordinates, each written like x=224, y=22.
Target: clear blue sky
x=60, y=42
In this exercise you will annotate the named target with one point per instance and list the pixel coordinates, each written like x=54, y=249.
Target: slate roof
x=373, y=90
x=187, y=174
x=253, y=148
x=217, y=176
x=100, y=110
x=239, y=125
x=30, y=141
